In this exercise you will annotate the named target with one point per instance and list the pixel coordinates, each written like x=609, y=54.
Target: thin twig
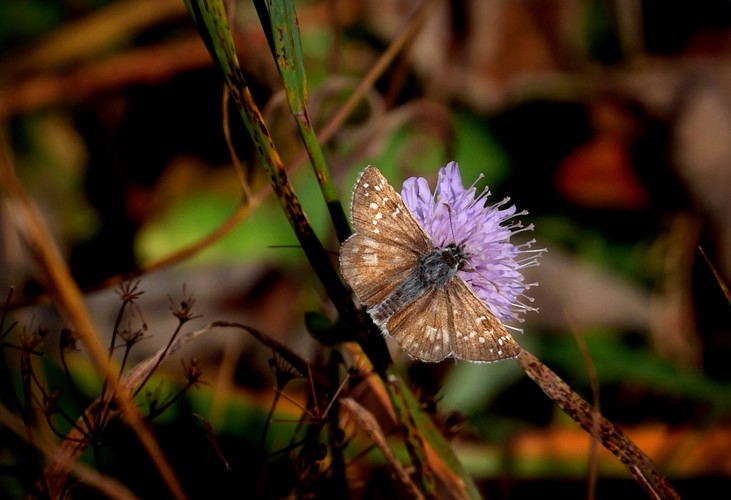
x=109, y=486
x=718, y=276
x=68, y=296
x=596, y=410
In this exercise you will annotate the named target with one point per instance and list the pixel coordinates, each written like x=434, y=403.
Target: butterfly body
x=433, y=271
x=411, y=288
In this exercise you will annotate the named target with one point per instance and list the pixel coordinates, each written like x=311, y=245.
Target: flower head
x=454, y=215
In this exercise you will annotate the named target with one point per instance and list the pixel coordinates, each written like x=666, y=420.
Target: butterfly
x=410, y=288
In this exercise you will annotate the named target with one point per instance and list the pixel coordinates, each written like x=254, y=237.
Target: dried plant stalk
x=612, y=438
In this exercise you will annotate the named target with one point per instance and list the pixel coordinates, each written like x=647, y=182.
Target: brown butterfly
x=410, y=288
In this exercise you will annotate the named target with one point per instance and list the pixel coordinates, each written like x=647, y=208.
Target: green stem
x=324, y=179
x=284, y=40
x=213, y=26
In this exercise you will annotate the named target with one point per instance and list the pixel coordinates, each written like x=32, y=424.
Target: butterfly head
x=455, y=256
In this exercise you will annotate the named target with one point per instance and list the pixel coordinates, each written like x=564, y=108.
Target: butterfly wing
x=373, y=269
x=388, y=241
x=476, y=333
x=420, y=328
x=379, y=213
x=451, y=322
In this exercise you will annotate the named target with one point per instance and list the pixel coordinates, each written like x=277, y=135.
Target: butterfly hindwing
x=476, y=333
x=421, y=329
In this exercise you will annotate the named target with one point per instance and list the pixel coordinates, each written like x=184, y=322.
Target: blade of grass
x=287, y=50
x=368, y=423
x=210, y=18
x=398, y=401
x=430, y=451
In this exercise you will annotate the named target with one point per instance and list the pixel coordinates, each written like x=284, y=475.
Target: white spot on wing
x=431, y=332
x=370, y=259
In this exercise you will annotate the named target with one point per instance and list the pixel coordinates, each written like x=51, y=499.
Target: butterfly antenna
x=451, y=225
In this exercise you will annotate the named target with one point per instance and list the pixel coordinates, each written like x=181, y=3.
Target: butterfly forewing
x=373, y=269
x=388, y=240
x=379, y=213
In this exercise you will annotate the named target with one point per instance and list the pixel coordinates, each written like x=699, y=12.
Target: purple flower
x=453, y=215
